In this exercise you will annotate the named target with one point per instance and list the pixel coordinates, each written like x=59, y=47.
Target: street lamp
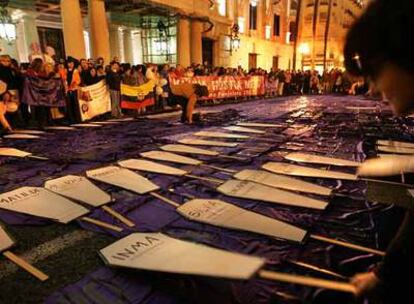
x=234, y=39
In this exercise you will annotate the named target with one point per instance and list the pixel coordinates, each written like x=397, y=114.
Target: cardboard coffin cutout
x=395, y=149
x=31, y=132
x=188, y=150
x=254, y=191
x=60, y=128
x=11, y=152
x=259, y=125
x=78, y=188
x=122, y=178
x=171, y=157
x=322, y=160
x=243, y=130
x=86, y=125
x=398, y=144
x=202, y=142
x=149, y=166
x=282, y=182
x=41, y=202
x=6, y=242
x=388, y=166
x=220, y=135
x=222, y=214
x=293, y=170
x=159, y=252
x=21, y=136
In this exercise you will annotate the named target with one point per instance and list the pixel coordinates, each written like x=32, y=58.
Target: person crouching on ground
x=4, y=98
x=377, y=46
x=186, y=95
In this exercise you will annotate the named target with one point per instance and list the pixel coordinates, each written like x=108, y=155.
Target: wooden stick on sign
x=26, y=266
x=101, y=224
x=118, y=216
x=307, y=281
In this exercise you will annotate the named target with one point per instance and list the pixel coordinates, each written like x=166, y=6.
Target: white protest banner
x=220, y=135
x=243, y=130
x=259, y=125
x=78, y=188
x=188, y=150
x=94, y=100
x=395, y=149
x=254, y=191
x=122, y=178
x=222, y=214
x=282, y=182
x=41, y=202
x=201, y=142
x=171, y=157
x=6, y=241
x=288, y=169
x=322, y=160
x=150, y=166
x=387, y=166
x=159, y=252
x=392, y=143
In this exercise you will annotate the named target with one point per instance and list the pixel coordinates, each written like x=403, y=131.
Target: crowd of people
x=74, y=74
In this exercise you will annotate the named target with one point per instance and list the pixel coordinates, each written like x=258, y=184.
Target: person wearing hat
x=186, y=95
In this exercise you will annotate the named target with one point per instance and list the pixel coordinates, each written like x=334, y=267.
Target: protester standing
x=113, y=80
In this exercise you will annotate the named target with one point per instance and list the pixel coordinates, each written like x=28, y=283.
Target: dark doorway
x=252, y=61
x=208, y=54
x=275, y=64
x=54, y=38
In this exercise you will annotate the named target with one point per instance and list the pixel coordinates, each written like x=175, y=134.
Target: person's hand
x=364, y=282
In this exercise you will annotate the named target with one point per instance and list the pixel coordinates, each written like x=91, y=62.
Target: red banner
x=226, y=86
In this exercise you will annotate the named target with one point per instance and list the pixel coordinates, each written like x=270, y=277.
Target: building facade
x=322, y=30
x=155, y=31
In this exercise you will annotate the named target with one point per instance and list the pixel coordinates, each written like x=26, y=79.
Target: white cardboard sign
x=122, y=178
x=11, y=152
x=159, y=252
x=288, y=169
x=202, y=142
x=322, y=160
x=60, y=128
x=78, y=188
x=395, y=149
x=188, y=150
x=282, y=182
x=41, y=202
x=222, y=214
x=258, y=125
x=254, y=191
x=86, y=125
x=399, y=144
x=243, y=130
x=31, y=132
x=220, y=135
x=171, y=157
x=388, y=166
x=150, y=166
x=6, y=241
x=21, y=136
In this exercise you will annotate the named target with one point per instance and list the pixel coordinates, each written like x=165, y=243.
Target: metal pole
x=328, y=23
x=295, y=41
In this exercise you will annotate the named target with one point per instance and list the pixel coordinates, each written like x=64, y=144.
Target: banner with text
x=226, y=86
x=94, y=100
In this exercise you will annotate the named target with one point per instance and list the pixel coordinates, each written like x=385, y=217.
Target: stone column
x=72, y=28
x=114, y=42
x=183, y=42
x=196, y=42
x=99, y=29
x=129, y=55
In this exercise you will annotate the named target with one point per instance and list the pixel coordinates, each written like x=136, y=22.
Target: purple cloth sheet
x=315, y=124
